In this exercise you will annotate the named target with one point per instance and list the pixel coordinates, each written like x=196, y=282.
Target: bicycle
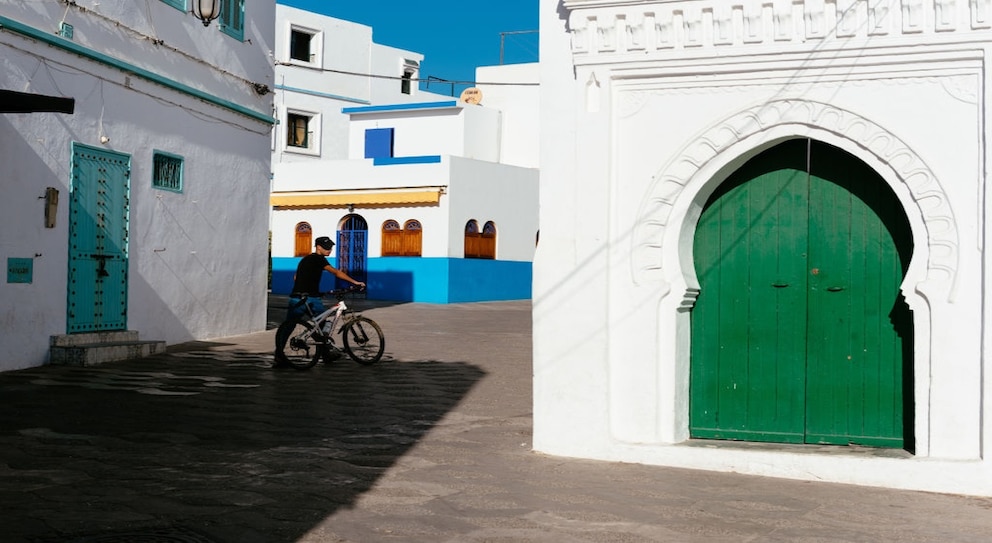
x=310, y=337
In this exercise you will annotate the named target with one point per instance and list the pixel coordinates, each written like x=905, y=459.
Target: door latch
x=101, y=271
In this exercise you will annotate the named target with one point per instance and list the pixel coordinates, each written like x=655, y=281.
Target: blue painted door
x=353, y=248
x=98, y=237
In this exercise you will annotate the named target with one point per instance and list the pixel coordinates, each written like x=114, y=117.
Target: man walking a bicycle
x=306, y=285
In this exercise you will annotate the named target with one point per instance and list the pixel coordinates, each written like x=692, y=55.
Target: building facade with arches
x=763, y=231
x=429, y=198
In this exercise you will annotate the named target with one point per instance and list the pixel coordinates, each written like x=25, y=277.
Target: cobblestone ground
x=207, y=443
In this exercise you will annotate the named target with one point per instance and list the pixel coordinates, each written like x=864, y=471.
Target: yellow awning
x=343, y=198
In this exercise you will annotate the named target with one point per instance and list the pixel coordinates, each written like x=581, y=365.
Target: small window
x=304, y=45
x=410, y=70
x=299, y=46
x=178, y=4
x=472, y=239
x=302, y=132
x=392, y=238
x=232, y=18
x=487, y=245
x=304, y=239
x=167, y=171
x=412, y=238
x=404, y=241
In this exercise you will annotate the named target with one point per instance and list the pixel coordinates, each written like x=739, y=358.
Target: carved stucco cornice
x=655, y=211
x=612, y=28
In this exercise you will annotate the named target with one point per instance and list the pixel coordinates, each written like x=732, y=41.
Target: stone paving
x=207, y=444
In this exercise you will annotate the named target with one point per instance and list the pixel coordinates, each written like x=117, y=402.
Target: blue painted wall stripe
x=400, y=107
x=428, y=280
x=392, y=161
x=321, y=94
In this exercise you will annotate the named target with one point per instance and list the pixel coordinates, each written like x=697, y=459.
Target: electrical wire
x=155, y=40
x=73, y=68
x=399, y=78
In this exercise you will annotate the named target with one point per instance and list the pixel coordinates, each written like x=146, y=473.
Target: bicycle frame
x=364, y=341
x=317, y=321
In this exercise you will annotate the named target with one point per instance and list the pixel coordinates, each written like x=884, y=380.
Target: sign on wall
x=20, y=270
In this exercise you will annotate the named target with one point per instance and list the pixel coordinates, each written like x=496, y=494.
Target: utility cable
x=401, y=78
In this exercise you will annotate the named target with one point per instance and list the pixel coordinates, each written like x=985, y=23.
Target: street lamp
x=206, y=10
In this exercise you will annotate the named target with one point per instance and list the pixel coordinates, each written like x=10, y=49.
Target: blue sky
x=454, y=36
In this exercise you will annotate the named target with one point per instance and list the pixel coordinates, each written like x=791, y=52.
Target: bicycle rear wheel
x=363, y=340
x=304, y=346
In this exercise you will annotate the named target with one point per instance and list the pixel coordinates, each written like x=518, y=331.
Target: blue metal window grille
x=352, y=248
x=167, y=171
x=178, y=4
x=232, y=18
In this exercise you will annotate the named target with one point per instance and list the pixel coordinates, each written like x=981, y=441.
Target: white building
x=429, y=198
x=765, y=222
x=325, y=64
x=140, y=209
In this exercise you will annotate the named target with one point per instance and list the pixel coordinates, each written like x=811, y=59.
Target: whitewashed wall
x=359, y=175
x=518, y=104
x=345, y=74
x=505, y=195
x=325, y=222
x=356, y=174
x=652, y=106
x=190, y=254
x=451, y=128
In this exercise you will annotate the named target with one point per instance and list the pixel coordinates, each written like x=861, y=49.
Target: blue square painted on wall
x=379, y=143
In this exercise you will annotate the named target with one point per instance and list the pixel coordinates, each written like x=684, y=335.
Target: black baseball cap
x=324, y=242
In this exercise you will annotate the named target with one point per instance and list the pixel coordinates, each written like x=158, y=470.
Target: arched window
x=412, y=238
x=392, y=238
x=487, y=246
x=304, y=239
x=402, y=242
x=472, y=239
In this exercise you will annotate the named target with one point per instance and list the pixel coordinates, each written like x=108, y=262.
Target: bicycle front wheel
x=304, y=346
x=363, y=340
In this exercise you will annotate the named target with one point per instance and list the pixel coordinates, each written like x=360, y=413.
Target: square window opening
x=167, y=171
x=297, y=130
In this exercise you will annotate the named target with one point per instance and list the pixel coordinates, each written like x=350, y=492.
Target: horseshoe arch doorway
x=800, y=333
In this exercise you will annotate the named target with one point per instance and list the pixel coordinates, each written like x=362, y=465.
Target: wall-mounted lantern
x=206, y=10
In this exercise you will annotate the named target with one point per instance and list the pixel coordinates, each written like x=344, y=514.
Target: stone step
x=96, y=348
x=89, y=338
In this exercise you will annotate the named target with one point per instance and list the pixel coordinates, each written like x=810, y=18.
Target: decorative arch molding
x=655, y=213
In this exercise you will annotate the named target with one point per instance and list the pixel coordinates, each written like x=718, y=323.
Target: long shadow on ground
x=207, y=445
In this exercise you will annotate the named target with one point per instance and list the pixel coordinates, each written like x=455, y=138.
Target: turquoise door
x=799, y=334
x=98, y=237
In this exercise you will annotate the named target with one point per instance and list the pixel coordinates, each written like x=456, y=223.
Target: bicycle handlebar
x=339, y=293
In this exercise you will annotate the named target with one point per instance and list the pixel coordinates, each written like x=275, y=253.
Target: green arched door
x=799, y=334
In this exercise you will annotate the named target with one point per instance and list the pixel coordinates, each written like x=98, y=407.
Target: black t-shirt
x=308, y=274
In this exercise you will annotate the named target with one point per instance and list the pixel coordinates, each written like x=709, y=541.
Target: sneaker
x=281, y=361
x=330, y=354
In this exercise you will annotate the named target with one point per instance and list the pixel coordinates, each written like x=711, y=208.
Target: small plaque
x=20, y=270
